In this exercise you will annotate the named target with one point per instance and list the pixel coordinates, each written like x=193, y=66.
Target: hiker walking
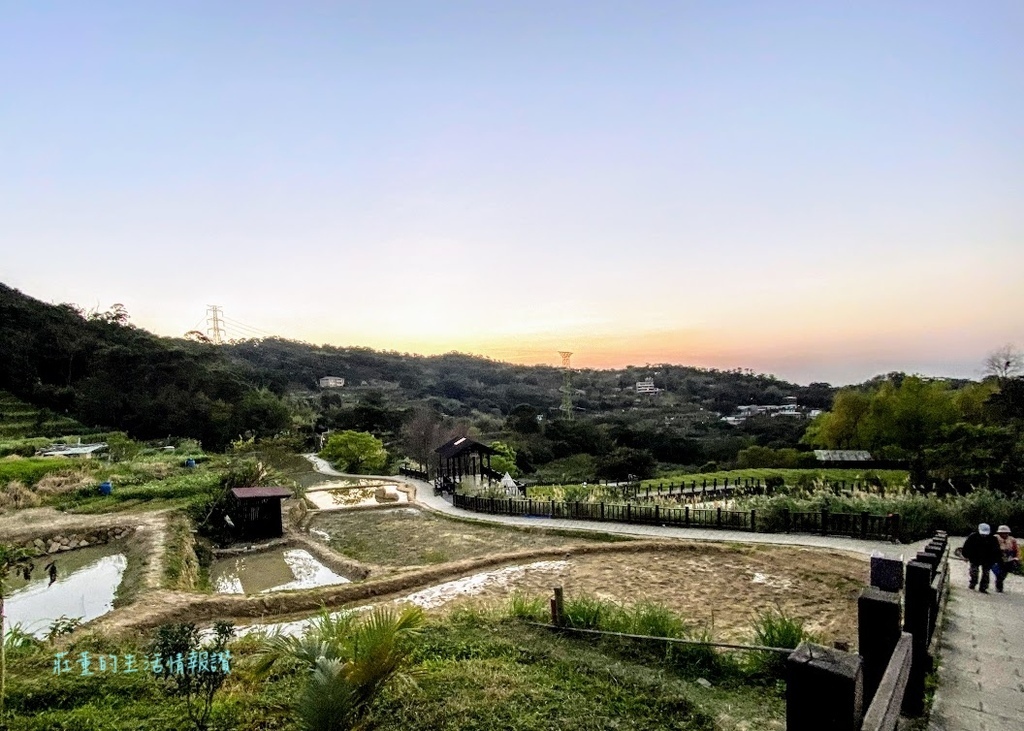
x=1009, y=555
x=982, y=549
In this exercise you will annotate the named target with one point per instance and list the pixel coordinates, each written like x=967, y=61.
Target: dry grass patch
x=16, y=496
x=59, y=484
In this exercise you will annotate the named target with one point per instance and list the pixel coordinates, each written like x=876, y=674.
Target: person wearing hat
x=1009, y=555
x=982, y=549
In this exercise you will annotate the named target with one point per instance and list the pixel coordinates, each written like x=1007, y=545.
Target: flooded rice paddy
x=87, y=580
x=279, y=569
x=335, y=498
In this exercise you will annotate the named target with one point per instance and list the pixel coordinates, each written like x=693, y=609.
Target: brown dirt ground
x=718, y=587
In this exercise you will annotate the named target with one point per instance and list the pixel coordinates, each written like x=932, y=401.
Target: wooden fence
x=827, y=688
x=414, y=473
x=856, y=525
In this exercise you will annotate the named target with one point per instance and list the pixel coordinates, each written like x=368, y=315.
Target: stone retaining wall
x=60, y=542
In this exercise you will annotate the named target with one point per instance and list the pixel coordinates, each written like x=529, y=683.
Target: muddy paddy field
x=721, y=587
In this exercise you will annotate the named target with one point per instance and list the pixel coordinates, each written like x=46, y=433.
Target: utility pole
x=214, y=324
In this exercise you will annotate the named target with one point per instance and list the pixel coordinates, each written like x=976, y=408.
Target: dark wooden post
x=558, y=608
x=887, y=573
x=878, y=631
x=824, y=521
x=785, y=519
x=687, y=509
x=824, y=690
x=864, y=524
x=602, y=511
x=718, y=519
x=753, y=521
x=916, y=621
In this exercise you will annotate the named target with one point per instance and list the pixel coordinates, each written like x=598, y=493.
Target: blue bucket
x=105, y=488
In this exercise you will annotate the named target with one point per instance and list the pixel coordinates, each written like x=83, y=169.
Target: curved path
x=424, y=495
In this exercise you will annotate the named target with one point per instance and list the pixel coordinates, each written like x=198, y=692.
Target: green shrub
x=533, y=609
x=30, y=470
x=584, y=612
x=775, y=628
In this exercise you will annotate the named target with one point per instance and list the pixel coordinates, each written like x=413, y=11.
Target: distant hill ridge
x=105, y=372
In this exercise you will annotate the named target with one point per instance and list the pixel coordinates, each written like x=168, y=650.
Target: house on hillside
x=332, y=382
x=646, y=386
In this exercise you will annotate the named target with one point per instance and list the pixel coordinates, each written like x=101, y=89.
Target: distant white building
x=787, y=409
x=646, y=386
x=332, y=382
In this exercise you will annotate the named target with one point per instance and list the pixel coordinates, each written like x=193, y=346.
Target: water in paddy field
x=87, y=579
x=275, y=570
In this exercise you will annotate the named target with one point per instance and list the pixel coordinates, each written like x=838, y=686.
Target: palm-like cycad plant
x=350, y=658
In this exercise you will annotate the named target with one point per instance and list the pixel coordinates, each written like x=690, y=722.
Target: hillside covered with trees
x=106, y=373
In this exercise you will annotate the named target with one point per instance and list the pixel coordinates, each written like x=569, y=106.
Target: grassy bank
x=475, y=670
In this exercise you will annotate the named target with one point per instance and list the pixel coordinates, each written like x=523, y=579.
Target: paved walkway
x=425, y=497
x=981, y=658
x=981, y=652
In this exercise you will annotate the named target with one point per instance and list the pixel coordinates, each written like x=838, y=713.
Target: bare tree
x=1004, y=362
x=426, y=430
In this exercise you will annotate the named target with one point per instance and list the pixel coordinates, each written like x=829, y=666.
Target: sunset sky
x=820, y=190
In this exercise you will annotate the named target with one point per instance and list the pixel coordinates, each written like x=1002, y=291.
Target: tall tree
x=1005, y=362
x=356, y=452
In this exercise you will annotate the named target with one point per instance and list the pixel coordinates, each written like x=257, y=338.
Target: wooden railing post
x=878, y=631
x=558, y=608
x=916, y=621
x=824, y=690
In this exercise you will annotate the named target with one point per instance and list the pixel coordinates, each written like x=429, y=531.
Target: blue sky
x=824, y=191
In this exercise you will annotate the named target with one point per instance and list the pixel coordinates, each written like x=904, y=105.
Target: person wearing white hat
x=1009, y=555
x=982, y=550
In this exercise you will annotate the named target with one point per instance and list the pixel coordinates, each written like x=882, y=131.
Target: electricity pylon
x=214, y=324
x=566, y=406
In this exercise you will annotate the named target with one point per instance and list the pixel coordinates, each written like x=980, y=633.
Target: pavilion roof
x=462, y=445
x=249, y=493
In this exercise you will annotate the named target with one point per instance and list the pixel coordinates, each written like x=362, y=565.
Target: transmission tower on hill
x=215, y=324
x=566, y=406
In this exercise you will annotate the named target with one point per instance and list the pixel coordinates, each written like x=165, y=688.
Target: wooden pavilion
x=256, y=512
x=463, y=457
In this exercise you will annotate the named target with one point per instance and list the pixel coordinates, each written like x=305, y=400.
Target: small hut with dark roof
x=256, y=512
x=463, y=457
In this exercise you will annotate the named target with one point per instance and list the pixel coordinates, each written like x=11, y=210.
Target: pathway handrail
x=884, y=711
